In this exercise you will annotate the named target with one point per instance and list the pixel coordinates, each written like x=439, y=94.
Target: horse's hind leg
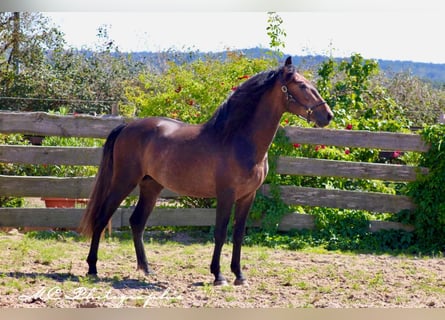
x=149, y=192
x=111, y=203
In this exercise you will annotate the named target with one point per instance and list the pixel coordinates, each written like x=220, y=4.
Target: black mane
x=236, y=111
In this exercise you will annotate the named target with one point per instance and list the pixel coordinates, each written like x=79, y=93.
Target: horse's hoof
x=148, y=272
x=241, y=282
x=218, y=283
x=92, y=276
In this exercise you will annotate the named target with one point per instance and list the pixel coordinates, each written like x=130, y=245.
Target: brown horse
x=225, y=158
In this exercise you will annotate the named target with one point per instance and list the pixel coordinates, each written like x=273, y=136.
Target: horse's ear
x=288, y=61
x=289, y=69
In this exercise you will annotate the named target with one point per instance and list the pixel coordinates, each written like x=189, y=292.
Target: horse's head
x=302, y=98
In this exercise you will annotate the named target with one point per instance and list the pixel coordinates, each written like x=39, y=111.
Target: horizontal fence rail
x=357, y=139
x=43, y=124
x=40, y=123
x=198, y=217
x=286, y=165
x=350, y=169
x=80, y=156
x=343, y=199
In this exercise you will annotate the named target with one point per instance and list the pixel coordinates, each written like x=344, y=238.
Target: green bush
x=12, y=169
x=428, y=193
x=190, y=92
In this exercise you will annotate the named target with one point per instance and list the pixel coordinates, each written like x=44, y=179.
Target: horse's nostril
x=330, y=116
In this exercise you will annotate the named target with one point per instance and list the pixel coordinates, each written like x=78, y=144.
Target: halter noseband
x=290, y=98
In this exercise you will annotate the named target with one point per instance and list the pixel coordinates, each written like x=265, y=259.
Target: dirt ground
x=55, y=277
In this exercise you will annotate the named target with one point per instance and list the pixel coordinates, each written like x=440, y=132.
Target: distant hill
x=426, y=71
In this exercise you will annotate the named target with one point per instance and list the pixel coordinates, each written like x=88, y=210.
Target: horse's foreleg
x=149, y=192
x=223, y=211
x=242, y=208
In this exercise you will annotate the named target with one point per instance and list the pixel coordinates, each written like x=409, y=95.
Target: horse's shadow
x=135, y=284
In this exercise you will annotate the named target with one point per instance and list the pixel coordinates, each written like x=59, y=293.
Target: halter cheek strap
x=290, y=98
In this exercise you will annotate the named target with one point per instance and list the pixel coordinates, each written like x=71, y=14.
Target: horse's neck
x=264, y=126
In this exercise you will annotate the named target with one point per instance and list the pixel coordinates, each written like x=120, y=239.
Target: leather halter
x=290, y=98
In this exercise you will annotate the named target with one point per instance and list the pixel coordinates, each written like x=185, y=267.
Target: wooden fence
x=43, y=124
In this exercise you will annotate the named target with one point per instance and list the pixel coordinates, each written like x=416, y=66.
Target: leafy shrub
x=356, y=98
x=190, y=92
x=11, y=169
x=427, y=192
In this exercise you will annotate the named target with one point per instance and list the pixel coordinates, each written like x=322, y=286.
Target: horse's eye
x=303, y=86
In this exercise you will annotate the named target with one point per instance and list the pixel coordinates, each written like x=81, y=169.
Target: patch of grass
x=263, y=286
x=87, y=281
x=208, y=289
x=48, y=254
x=227, y=289
x=325, y=289
x=230, y=298
x=54, y=235
x=377, y=280
x=394, y=242
x=15, y=285
x=289, y=276
x=302, y=285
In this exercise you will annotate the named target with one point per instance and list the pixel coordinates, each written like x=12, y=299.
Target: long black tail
x=101, y=185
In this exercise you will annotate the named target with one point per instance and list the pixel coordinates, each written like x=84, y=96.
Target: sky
x=393, y=35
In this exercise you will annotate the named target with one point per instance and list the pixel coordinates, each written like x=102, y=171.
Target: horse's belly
x=194, y=179
x=189, y=186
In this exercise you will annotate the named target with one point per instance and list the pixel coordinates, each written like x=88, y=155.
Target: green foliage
x=41, y=75
x=427, y=192
x=47, y=169
x=54, y=235
x=56, y=169
x=385, y=241
x=422, y=102
x=66, y=170
x=11, y=202
x=356, y=99
x=341, y=223
x=275, y=32
x=11, y=169
x=190, y=92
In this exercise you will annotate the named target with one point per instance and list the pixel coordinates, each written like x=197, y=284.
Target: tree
x=92, y=81
x=423, y=103
x=37, y=72
x=26, y=39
